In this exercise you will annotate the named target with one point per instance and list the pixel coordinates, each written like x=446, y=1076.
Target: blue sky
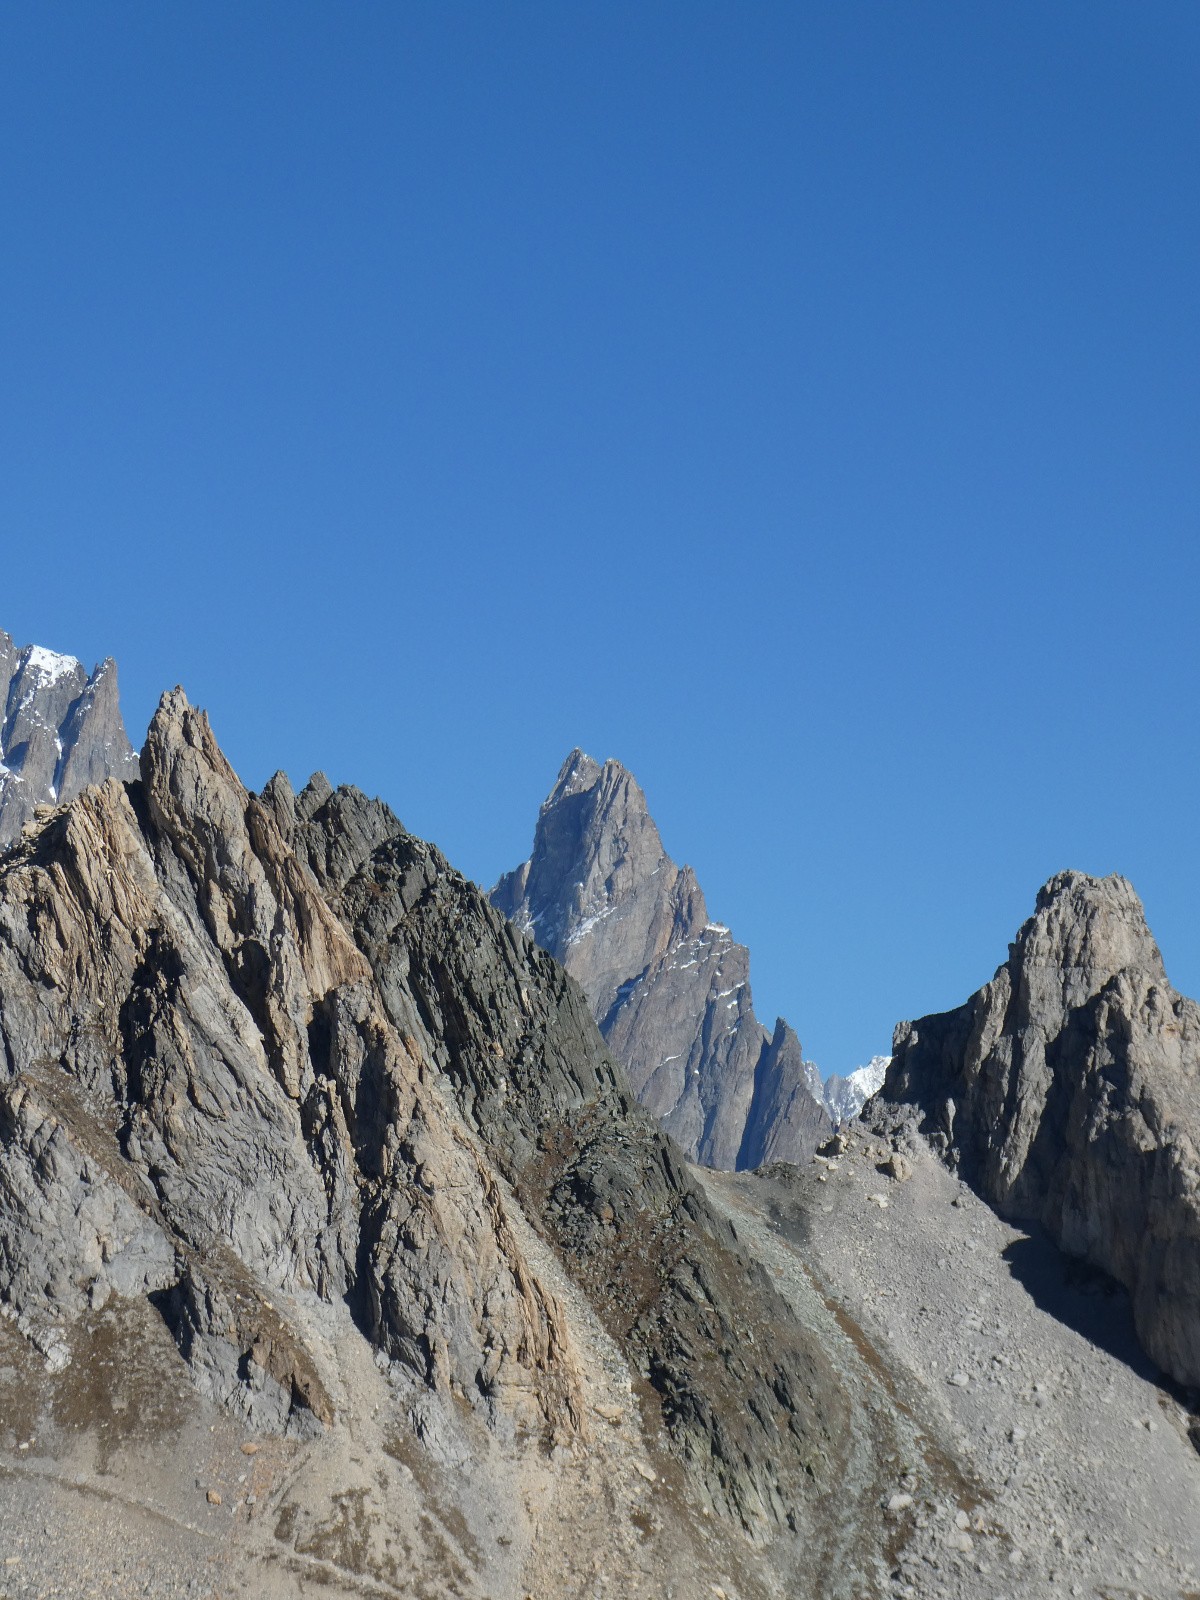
x=797, y=401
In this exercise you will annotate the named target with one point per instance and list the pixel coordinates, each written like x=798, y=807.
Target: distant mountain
x=61, y=730
x=669, y=987
x=845, y=1097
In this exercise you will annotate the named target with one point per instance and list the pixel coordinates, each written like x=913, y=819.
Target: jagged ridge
x=259, y=1049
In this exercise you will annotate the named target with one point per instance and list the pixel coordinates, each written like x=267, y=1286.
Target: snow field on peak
x=49, y=666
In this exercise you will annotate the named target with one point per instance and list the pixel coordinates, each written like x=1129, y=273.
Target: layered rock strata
x=1067, y=1091
x=262, y=1052
x=60, y=730
x=669, y=988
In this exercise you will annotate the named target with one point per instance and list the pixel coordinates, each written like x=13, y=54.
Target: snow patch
x=588, y=923
x=845, y=1097
x=49, y=666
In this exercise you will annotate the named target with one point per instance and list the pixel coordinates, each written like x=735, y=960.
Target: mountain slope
x=1067, y=1090
x=61, y=729
x=276, y=1074
x=336, y=1254
x=668, y=987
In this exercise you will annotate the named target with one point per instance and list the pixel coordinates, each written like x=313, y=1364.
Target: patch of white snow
x=49, y=666
x=588, y=923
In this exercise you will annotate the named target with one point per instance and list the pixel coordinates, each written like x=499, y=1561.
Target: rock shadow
x=1082, y=1297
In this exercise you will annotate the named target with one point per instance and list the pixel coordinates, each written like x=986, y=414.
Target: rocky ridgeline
x=1067, y=1092
x=669, y=988
x=61, y=729
x=269, y=1051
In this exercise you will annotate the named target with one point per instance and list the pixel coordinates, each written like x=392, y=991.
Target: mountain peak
x=47, y=665
x=1065, y=1091
x=577, y=774
x=60, y=730
x=668, y=986
x=1083, y=931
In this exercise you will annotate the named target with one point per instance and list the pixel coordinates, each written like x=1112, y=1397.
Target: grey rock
x=204, y=1099
x=1067, y=1091
x=60, y=730
x=263, y=1052
x=669, y=987
x=749, y=1414
x=786, y=1121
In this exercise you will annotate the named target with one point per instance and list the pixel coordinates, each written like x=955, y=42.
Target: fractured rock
x=1067, y=1092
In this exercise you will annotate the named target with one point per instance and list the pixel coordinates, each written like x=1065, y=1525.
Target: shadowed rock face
x=669, y=988
x=513, y=1038
x=262, y=1052
x=1068, y=1092
x=60, y=730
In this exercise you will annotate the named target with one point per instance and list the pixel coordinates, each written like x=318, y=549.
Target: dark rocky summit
x=267, y=1053
x=1067, y=1091
x=61, y=729
x=669, y=988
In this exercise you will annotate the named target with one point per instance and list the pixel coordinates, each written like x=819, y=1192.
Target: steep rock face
x=263, y=1054
x=61, y=730
x=1068, y=1091
x=752, y=1415
x=202, y=1099
x=785, y=1115
x=669, y=988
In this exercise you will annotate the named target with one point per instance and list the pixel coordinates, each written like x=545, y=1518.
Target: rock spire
x=669, y=987
x=1067, y=1091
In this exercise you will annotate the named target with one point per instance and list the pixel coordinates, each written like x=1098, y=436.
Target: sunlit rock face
x=268, y=1057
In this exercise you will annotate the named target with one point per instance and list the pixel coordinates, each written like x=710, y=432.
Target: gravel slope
x=1076, y=1472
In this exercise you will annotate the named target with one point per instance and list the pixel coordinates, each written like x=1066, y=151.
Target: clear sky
x=800, y=402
